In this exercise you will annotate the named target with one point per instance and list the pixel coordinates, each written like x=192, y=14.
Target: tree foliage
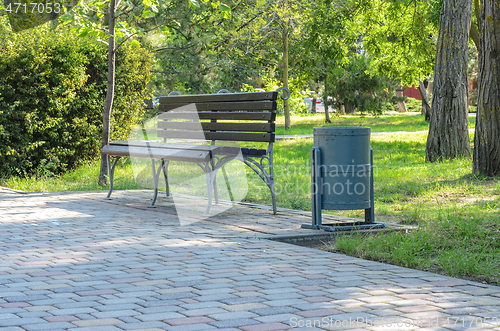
x=354, y=87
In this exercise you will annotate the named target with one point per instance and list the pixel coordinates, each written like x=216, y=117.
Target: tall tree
x=121, y=22
x=327, y=43
x=486, y=158
x=110, y=93
x=448, y=130
x=92, y=18
x=270, y=28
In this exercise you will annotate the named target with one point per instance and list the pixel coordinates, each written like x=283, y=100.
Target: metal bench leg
x=216, y=194
x=111, y=172
x=273, y=195
x=209, y=187
x=156, y=177
x=271, y=179
x=165, y=174
x=231, y=196
x=260, y=170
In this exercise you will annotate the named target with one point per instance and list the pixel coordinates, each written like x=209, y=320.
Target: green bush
x=414, y=105
x=389, y=105
x=52, y=92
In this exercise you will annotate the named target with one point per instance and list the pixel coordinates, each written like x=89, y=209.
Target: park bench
x=194, y=120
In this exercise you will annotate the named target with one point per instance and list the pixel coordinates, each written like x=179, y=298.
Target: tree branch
x=134, y=34
x=474, y=35
x=247, y=23
x=176, y=48
x=125, y=12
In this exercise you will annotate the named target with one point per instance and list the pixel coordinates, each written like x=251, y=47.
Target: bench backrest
x=226, y=116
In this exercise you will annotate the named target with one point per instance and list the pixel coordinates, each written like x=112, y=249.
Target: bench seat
x=216, y=150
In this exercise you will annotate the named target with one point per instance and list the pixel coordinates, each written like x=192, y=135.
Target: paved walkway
x=74, y=260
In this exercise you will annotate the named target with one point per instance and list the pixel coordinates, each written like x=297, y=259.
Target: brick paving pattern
x=76, y=261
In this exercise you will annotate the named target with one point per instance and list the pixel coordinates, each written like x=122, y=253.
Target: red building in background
x=413, y=92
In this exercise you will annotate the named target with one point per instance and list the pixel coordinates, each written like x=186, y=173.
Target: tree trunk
x=448, y=128
x=401, y=104
x=426, y=107
x=348, y=108
x=286, y=105
x=313, y=106
x=108, y=104
x=342, y=110
x=487, y=135
x=325, y=101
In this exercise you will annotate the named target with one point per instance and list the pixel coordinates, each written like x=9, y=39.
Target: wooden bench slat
x=251, y=96
x=157, y=153
x=164, y=145
x=218, y=106
x=228, y=136
x=199, y=126
x=216, y=150
x=236, y=116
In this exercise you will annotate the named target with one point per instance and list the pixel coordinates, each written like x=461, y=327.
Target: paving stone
x=188, y=320
x=49, y=326
x=192, y=327
x=21, y=321
x=234, y=323
x=280, y=318
x=318, y=312
x=266, y=327
x=203, y=311
x=233, y=315
x=144, y=325
x=159, y=316
x=7, y=316
x=417, y=309
x=100, y=328
x=244, y=307
x=115, y=313
x=60, y=318
x=236, y=301
x=97, y=322
x=275, y=310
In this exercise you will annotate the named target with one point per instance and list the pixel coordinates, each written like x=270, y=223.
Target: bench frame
x=212, y=158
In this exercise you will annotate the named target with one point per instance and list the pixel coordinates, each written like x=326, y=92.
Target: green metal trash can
x=342, y=175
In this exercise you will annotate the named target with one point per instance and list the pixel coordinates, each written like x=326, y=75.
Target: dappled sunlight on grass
x=379, y=123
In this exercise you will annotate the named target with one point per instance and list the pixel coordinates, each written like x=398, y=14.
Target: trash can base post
x=315, y=187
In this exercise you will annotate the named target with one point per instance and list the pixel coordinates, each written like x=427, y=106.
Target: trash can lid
x=341, y=131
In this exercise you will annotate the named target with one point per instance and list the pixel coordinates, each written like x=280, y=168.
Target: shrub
x=52, y=92
x=414, y=105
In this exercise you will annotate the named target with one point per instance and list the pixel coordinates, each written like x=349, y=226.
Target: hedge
x=52, y=92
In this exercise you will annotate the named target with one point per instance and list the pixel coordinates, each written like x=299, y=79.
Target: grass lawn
x=381, y=123
x=457, y=214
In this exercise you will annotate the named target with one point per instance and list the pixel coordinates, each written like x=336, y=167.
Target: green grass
x=457, y=215
x=381, y=123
